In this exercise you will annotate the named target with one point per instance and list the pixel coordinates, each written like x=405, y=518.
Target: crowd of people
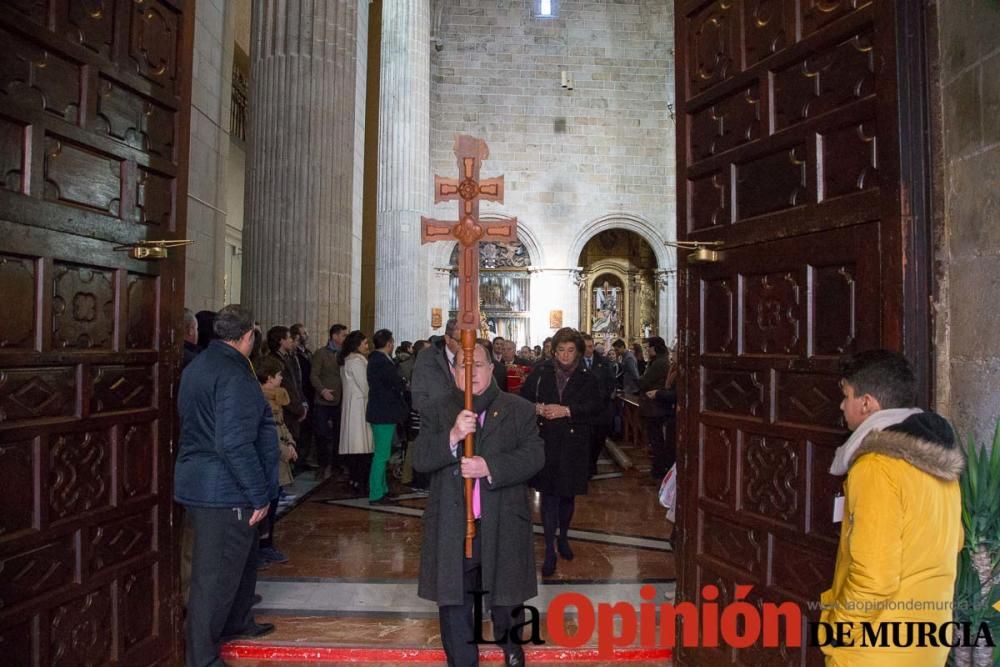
x=256, y=407
x=353, y=405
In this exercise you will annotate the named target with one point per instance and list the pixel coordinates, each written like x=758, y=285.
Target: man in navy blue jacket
x=226, y=475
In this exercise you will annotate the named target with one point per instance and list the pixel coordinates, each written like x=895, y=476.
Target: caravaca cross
x=468, y=231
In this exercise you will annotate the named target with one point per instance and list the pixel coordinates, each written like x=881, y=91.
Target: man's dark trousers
x=223, y=579
x=327, y=435
x=457, y=629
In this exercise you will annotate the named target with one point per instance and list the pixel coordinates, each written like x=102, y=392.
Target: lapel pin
x=495, y=413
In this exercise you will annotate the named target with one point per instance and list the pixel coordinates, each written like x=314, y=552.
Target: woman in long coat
x=355, y=433
x=567, y=398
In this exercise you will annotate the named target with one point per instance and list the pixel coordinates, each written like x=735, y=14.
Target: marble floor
x=348, y=592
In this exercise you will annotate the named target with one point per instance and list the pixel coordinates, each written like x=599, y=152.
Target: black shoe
x=549, y=565
x=565, y=552
x=514, y=657
x=255, y=631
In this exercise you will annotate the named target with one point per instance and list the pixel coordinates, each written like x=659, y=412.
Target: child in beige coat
x=269, y=375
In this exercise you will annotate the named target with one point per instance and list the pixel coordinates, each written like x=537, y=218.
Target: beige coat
x=278, y=399
x=355, y=433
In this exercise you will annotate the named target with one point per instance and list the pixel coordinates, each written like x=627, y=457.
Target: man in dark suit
x=386, y=408
x=432, y=377
x=605, y=374
x=226, y=476
x=508, y=453
x=496, y=349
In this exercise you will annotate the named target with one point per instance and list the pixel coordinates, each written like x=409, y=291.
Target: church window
x=545, y=9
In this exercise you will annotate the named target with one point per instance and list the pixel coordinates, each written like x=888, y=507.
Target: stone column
x=404, y=180
x=666, y=283
x=300, y=176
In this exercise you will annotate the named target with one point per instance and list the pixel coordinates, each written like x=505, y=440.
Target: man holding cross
x=478, y=518
x=509, y=452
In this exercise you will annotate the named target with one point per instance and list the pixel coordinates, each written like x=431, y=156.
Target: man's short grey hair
x=233, y=321
x=188, y=317
x=480, y=345
x=450, y=327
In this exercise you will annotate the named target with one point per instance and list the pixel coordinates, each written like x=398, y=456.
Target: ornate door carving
x=94, y=100
x=790, y=153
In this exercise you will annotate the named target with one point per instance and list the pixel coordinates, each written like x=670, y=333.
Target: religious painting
x=607, y=306
x=436, y=321
x=555, y=319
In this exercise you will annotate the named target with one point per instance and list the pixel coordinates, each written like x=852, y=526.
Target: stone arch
x=440, y=253
x=666, y=258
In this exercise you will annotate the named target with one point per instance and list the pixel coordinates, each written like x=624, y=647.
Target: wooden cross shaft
x=468, y=231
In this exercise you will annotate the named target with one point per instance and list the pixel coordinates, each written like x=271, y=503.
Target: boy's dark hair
x=231, y=323
x=267, y=368
x=336, y=329
x=296, y=329
x=884, y=374
x=619, y=344
x=275, y=335
x=381, y=338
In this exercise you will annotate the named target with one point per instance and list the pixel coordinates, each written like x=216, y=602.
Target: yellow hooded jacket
x=899, y=545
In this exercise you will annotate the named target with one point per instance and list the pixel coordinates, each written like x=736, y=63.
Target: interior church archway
x=619, y=290
x=504, y=289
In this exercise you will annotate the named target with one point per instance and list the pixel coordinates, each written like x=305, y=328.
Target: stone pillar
x=404, y=181
x=666, y=283
x=300, y=178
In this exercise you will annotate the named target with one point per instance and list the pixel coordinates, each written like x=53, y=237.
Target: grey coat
x=432, y=379
x=514, y=452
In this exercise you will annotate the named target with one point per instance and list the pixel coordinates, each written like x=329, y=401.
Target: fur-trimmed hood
x=926, y=441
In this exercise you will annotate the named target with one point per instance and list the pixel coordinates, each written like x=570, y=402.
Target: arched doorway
x=619, y=297
x=504, y=289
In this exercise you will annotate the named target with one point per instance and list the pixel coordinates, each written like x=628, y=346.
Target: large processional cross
x=469, y=231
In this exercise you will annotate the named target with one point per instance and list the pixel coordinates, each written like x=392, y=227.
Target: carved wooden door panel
x=94, y=99
x=789, y=153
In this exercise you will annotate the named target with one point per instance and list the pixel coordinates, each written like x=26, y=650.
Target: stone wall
x=575, y=161
x=968, y=331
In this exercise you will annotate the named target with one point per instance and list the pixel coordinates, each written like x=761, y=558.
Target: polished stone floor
x=350, y=582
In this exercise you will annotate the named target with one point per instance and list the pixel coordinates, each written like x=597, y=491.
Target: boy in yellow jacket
x=902, y=521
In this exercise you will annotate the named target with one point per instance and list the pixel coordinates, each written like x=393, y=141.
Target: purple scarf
x=563, y=374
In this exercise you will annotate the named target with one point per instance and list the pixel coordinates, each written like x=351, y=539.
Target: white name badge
x=838, y=509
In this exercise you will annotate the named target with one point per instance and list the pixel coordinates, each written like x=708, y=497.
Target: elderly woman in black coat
x=567, y=398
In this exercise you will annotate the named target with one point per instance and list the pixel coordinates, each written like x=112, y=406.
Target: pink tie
x=477, y=508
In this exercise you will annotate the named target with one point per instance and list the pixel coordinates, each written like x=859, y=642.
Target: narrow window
x=546, y=9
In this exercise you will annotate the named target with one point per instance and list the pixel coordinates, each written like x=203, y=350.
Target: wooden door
x=793, y=150
x=94, y=99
